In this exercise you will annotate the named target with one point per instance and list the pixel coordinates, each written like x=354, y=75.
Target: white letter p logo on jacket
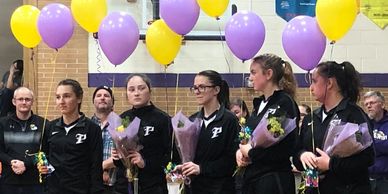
x=80, y=138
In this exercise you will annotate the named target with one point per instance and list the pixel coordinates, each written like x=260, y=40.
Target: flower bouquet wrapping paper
x=124, y=135
x=186, y=135
x=273, y=127
x=346, y=139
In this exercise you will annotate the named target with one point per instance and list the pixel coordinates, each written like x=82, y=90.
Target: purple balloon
x=245, y=34
x=180, y=15
x=304, y=42
x=55, y=25
x=118, y=36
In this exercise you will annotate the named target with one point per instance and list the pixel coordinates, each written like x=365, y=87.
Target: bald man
x=20, y=132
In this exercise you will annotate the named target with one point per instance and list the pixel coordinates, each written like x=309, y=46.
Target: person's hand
x=13, y=69
x=244, y=149
x=240, y=159
x=114, y=154
x=178, y=168
x=136, y=159
x=308, y=158
x=43, y=169
x=10, y=82
x=108, y=164
x=105, y=176
x=294, y=170
x=18, y=166
x=190, y=168
x=322, y=162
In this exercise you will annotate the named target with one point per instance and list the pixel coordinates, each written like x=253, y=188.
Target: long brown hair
x=283, y=75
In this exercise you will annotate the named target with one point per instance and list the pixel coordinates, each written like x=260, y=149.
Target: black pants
x=238, y=181
x=275, y=182
x=157, y=189
x=22, y=189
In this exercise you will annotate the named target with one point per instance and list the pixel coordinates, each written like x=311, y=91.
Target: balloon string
x=165, y=86
x=241, y=90
x=176, y=107
x=35, y=84
x=250, y=5
x=307, y=77
x=331, y=50
x=311, y=116
x=176, y=93
x=98, y=57
x=53, y=61
x=223, y=45
x=113, y=82
x=243, y=84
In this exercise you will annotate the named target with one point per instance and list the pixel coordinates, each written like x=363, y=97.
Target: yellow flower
x=169, y=166
x=275, y=127
x=120, y=128
x=242, y=121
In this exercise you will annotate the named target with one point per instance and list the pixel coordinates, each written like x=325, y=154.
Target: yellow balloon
x=89, y=13
x=162, y=43
x=24, y=25
x=335, y=17
x=213, y=8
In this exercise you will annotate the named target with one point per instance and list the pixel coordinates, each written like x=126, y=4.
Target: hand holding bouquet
x=186, y=134
x=124, y=135
x=244, y=137
x=173, y=176
x=42, y=164
x=245, y=132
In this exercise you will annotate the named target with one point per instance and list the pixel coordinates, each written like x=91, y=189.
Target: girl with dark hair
x=212, y=169
x=154, y=135
x=268, y=170
x=73, y=146
x=337, y=87
x=239, y=108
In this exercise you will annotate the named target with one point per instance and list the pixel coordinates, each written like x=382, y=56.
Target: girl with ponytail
x=268, y=169
x=337, y=87
x=214, y=162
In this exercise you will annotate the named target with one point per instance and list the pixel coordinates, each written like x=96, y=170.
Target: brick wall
x=71, y=62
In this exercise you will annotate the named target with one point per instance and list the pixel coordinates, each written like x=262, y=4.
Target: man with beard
x=375, y=107
x=103, y=101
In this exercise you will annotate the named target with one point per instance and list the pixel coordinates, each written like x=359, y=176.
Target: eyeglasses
x=24, y=99
x=200, y=88
x=371, y=103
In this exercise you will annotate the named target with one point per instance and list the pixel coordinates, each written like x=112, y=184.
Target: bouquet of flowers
x=272, y=128
x=124, y=135
x=186, y=134
x=171, y=175
x=346, y=139
x=174, y=179
x=40, y=159
x=311, y=178
x=245, y=132
x=244, y=136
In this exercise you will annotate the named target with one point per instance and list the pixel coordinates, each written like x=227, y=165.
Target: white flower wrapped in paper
x=272, y=129
x=346, y=139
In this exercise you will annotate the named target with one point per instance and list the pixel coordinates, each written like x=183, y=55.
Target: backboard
x=143, y=13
